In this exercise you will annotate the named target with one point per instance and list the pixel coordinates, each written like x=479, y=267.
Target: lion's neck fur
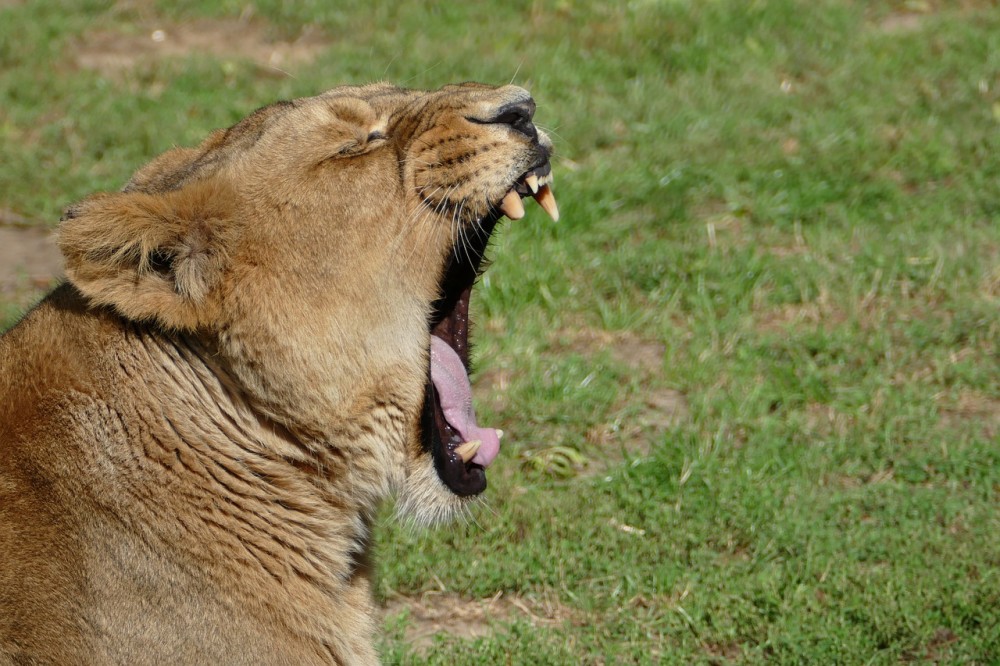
x=251, y=500
x=272, y=480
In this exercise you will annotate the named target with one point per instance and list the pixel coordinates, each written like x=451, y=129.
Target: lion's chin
x=424, y=500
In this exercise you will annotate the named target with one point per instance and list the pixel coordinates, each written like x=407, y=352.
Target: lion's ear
x=152, y=256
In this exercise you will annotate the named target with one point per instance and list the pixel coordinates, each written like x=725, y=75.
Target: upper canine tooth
x=531, y=180
x=547, y=201
x=468, y=450
x=511, y=206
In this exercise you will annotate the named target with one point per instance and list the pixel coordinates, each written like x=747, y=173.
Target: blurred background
x=750, y=380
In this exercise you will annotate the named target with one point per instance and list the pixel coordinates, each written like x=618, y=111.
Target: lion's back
x=39, y=585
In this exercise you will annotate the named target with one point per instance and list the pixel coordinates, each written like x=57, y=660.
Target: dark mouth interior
x=449, y=353
x=450, y=322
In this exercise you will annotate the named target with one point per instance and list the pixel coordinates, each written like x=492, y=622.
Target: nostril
x=518, y=116
x=514, y=116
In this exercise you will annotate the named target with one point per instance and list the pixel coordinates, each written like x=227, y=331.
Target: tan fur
x=197, y=429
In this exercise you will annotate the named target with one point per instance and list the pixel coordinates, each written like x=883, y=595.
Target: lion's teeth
x=531, y=180
x=511, y=206
x=499, y=433
x=468, y=450
x=547, y=201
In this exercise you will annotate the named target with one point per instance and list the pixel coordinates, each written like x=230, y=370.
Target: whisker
x=551, y=131
x=488, y=508
x=515, y=72
x=463, y=232
x=392, y=60
x=428, y=69
x=417, y=218
x=478, y=225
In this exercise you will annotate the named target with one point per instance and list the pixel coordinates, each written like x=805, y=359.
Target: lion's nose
x=518, y=115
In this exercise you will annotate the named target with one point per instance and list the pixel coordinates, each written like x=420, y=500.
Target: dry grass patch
x=912, y=15
x=941, y=641
x=636, y=435
x=435, y=614
x=821, y=311
x=991, y=284
x=724, y=227
x=29, y=263
x=900, y=22
x=723, y=653
x=624, y=347
x=664, y=408
x=824, y=421
x=971, y=407
x=112, y=52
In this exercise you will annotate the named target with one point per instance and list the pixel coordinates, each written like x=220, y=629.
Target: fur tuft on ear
x=152, y=256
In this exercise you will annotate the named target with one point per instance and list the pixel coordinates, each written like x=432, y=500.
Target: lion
x=259, y=341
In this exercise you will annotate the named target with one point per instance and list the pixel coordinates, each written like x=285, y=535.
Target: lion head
x=324, y=250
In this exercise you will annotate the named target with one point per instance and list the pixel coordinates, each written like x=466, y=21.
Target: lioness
x=260, y=339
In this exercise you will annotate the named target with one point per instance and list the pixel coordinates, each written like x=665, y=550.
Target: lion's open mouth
x=462, y=450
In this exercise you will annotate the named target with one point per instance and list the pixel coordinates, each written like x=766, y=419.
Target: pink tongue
x=455, y=396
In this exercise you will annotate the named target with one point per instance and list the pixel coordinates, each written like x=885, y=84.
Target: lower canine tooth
x=511, y=206
x=468, y=450
x=547, y=201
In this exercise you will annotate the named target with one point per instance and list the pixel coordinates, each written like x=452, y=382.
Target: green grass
x=787, y=213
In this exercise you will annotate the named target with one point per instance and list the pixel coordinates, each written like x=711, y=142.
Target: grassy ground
x=750, y=380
